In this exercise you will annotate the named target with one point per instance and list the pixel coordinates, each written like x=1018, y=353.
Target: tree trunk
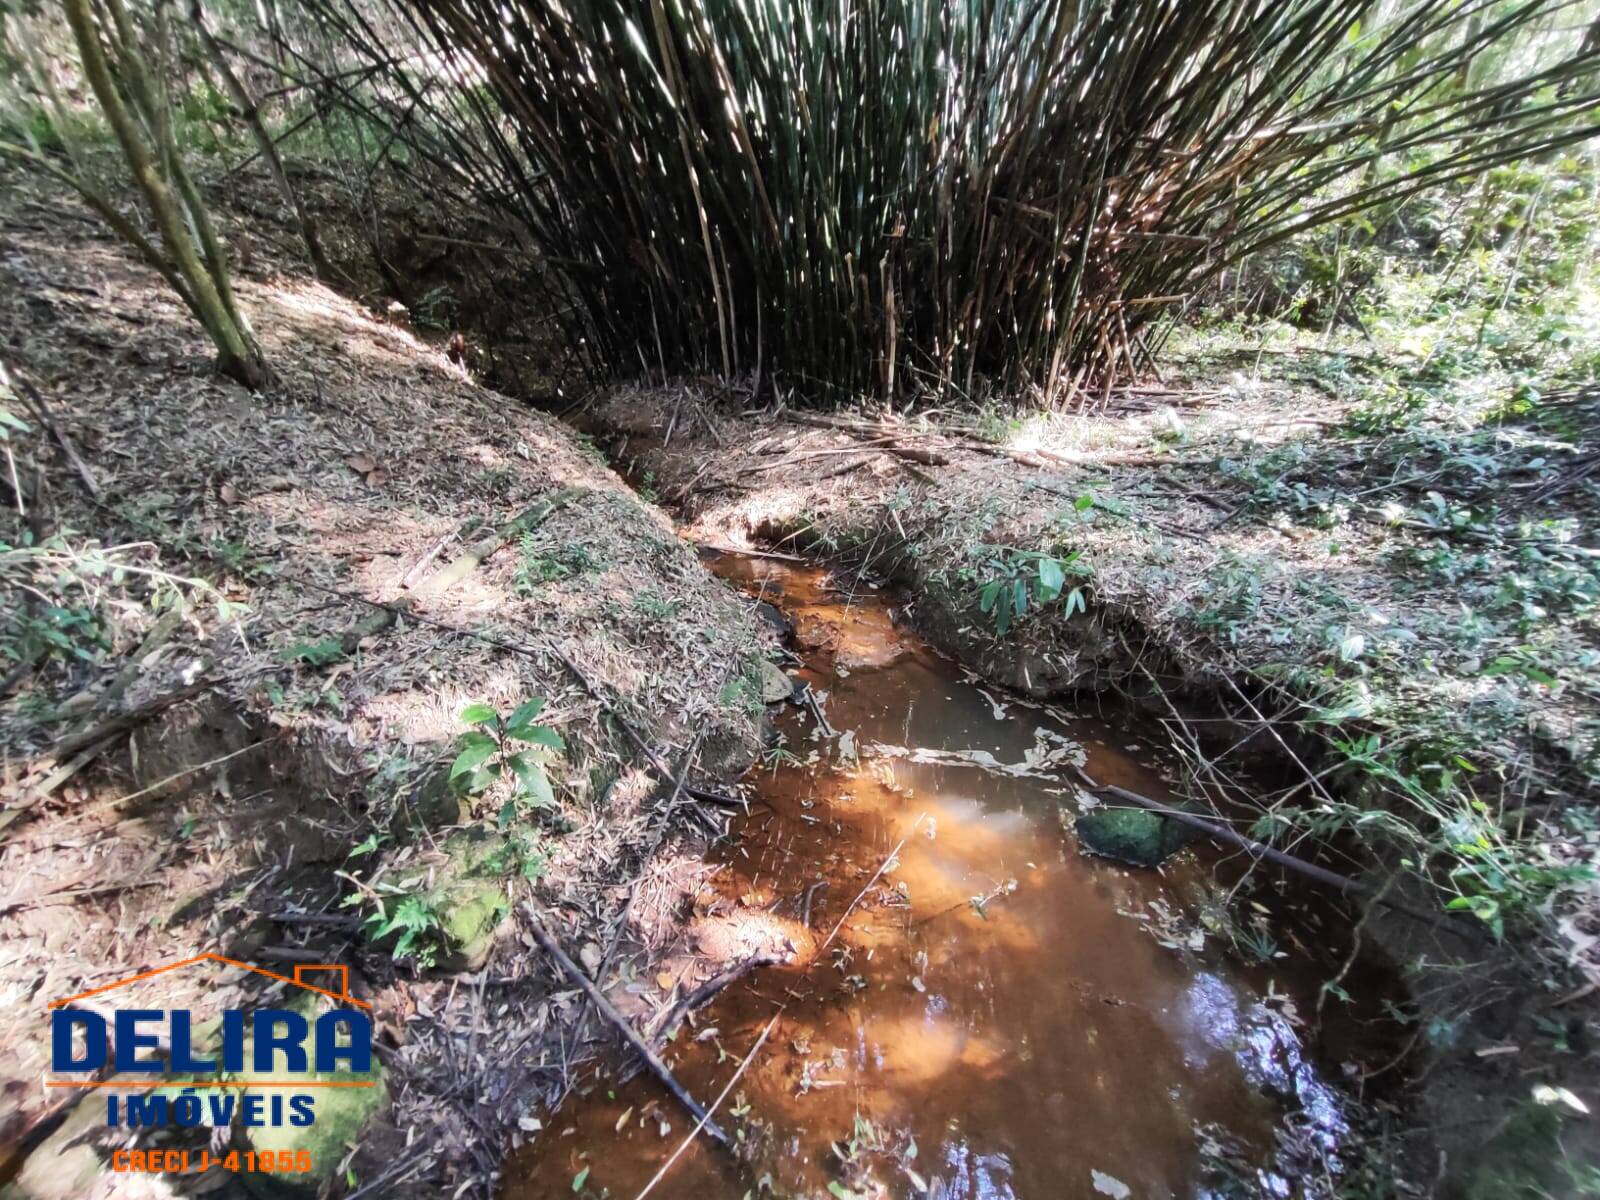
x=209, y=293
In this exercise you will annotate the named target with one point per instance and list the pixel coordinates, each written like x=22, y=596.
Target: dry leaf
x=665, y=981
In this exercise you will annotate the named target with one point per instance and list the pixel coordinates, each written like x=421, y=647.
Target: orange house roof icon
x=301, y=970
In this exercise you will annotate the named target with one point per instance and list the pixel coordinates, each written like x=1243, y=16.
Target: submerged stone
x=775, y=685
x=1132, y=835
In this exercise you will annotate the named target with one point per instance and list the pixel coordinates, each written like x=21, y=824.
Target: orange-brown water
x=1000, y=1016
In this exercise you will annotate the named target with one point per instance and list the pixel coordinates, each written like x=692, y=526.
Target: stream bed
x=998, y=1014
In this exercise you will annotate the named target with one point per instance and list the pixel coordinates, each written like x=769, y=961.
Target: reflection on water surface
x=998, y=1018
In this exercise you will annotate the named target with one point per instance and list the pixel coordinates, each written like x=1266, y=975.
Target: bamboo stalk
x=620, y=1023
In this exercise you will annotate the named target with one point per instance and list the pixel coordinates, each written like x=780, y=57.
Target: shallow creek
x=1000, y=1015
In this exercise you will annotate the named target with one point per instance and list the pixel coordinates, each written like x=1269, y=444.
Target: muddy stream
x=1001, y=1015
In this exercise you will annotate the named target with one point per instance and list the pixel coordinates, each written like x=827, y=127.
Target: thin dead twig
x=721, y=1096
x=620, y=1024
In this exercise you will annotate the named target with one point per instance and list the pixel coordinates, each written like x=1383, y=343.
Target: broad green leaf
x=471, y=759
x=525, y=712
x=479, y=714
x=1051, y=578
x=532, y=781
x=315, y=654
x=539, y=734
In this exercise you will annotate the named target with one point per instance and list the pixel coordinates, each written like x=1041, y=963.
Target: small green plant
x=509, y=749
x=1253, y=941
x=652, y=604
x=436, y=309
x=777, y=756
x=1016, y=580
x=315, y=654
x=523, y=855
x=403, y=913
x=409, y=918
x=539, y=564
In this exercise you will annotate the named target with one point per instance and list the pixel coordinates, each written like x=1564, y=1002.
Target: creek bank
x=949, y=947
x=291, y=598
x=1193, y=615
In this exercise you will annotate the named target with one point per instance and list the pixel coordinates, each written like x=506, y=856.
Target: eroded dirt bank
x=1195, y=602
x=268, y=617
x=968, y=1003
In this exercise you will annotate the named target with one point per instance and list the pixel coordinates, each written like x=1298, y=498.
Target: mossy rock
x=1132, y=835
x=342, y=1114
x=61, y=1167
x=776, y=686
x=469, y=897
x=470, y=912
x=435, y=804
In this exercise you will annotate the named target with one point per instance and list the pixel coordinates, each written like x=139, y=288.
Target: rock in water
x=775, y=685
x=1132, y=835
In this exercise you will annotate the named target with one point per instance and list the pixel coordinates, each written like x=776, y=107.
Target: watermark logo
x=243, y=1068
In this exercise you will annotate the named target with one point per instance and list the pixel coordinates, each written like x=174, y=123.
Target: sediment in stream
x=970, y=1005
x=832, y=489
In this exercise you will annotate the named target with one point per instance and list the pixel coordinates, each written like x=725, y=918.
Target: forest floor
x=1326, y=569
x=218, y=739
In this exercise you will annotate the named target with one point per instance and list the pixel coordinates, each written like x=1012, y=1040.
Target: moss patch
x=1132, y=835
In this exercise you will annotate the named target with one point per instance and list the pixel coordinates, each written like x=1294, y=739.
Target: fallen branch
x=81, y=748
x=122, y=722
x=721, y=1096
x=530, y=518
x=1262, y=851
x=157, y=637
x=660, y=768
x=751, y=552
x=919, y=454
x=661, y=1029
x=48, y=420
x=620, y=1023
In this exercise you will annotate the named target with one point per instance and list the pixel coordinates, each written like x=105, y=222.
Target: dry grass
x=295, y=504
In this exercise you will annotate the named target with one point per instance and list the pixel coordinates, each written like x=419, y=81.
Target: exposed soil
x=305, y=720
